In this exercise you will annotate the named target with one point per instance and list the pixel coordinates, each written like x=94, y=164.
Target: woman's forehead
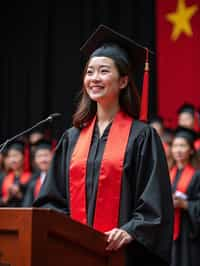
x=14, y=151
x=180, y=140
x=100, y=60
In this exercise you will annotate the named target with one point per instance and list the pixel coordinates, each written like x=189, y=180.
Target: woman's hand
x=180, y=203
x=117, y=238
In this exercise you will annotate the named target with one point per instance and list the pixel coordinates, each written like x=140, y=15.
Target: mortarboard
x=186, y=108
x=42, y=144
x=17, y=145
x=186, y=133
x=107, y=42
x=21, y=146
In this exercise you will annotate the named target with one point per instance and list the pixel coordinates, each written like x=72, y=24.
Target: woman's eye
x=104, y=71
x=89, y=72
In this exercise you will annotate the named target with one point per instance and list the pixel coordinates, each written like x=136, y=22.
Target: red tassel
x=197, y=145
x=145, y=90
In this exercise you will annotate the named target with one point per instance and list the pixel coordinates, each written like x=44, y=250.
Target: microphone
x=50, y=118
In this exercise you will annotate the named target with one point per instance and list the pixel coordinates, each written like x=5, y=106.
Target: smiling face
x=186, y=120
x=181, y=150
x=43, y=159
x=15, y=159
x=102, y=81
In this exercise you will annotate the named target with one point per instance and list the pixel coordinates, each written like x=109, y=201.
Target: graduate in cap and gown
x=42, y=158
x=185, y=180
x=14, y=184
x=109, y=170
x=189, y=117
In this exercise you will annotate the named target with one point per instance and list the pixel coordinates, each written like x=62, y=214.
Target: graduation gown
x=33, y=189
x=1, y=180
x=186, y=248
x=146, y=209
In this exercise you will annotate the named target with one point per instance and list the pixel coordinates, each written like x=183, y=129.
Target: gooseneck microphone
x=50, y=118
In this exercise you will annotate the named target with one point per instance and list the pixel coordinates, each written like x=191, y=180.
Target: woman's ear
x=123, y=82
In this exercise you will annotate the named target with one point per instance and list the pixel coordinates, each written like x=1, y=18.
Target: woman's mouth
x=96, y=88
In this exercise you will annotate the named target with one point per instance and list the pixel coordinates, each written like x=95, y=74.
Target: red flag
x=178, y=55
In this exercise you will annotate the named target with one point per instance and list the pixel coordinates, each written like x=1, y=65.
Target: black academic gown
x=29, y=196
x=1, y=181
x=186, y=249
x=146, y=209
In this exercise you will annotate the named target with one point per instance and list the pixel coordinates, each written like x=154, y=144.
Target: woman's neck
x=181, y=165
x=106, y=113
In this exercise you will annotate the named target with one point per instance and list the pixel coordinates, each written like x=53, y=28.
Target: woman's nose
x=95, y=76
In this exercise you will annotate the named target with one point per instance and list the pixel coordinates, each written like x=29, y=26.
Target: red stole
x=37, y=187
x=110, y=174
x=9, y=180
x=197, y=144
x=183, y=184
x=165, y=146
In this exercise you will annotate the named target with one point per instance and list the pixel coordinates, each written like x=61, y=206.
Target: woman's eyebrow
x=100, y=66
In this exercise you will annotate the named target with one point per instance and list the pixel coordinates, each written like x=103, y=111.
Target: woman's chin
x=96, y=98
x=181, y=160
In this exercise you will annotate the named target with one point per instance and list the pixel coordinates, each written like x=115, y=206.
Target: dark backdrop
x=40, y=59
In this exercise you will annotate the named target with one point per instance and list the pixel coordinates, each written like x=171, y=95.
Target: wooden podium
x=44, y=237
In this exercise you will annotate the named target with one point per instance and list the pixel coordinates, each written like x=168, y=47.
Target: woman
x=14, y=183
x=189, y=117
x=110, y=161
x=186, y=198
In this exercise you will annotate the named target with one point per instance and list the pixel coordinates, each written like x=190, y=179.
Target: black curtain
x=40, y=59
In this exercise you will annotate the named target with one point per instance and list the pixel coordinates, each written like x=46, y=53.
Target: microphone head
x=52, y=116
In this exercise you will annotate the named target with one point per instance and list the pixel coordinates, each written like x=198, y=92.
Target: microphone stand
x=49, y=118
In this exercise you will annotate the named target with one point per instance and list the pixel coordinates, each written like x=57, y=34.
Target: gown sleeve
x=53, y=191
x=151, y=224
x=194, y=206
x=29, y=196
x=2, y=204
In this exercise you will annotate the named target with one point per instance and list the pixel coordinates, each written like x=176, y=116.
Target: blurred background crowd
x=24, y=163
x=39, y=75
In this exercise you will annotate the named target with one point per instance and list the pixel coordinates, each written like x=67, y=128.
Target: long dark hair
x=129, y=99
x=194, y=158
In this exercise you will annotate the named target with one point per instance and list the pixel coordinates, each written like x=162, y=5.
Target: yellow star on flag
x=181, y=19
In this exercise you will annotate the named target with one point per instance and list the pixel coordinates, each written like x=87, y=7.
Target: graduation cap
x=42, y=144
x=186, y=133
x=186, y=108
x=17, y=145
x=109, y=43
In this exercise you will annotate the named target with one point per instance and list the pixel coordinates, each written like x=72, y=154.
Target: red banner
x=178, y=56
